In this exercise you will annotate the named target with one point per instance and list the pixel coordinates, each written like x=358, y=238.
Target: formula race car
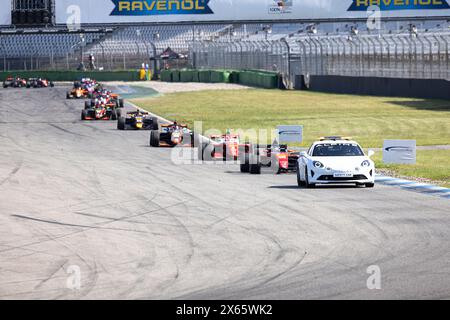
x=137, y=120
x=100, y=112
x=113, y=97
x=83, y=89
x=224, y=147
x=170, y=135
x=87, y=83
x=77, y=93
x=277, y=157
x=39, y=83
x=9, y=82
x=14, y=82
x=335, y=160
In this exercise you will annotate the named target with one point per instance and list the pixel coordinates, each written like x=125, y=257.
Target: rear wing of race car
x=133, y=113
x=170, y=125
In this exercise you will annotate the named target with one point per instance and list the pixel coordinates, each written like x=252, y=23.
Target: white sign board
x=141, y=11
x=5, y=13
x=399, y=152
x=290, y=134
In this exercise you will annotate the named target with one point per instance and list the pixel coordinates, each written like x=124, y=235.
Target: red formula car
x=39, y=83
x=14, y=82
x=277, y=157
x=224, y=147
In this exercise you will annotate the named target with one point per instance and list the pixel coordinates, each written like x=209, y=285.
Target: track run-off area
x=85, y=199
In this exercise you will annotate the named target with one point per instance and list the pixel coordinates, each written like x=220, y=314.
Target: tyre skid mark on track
x=12, y=173
x=250, y=280
x=61, y=294
x=98, y=226
x=59, y=266
x=67, y=131
x=72, y=225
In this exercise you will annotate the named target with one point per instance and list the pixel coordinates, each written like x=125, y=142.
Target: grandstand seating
x=42, y=45
x=139, y=40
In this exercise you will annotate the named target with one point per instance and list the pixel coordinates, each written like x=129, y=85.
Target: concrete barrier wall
x=252, y=78
x=389, y=87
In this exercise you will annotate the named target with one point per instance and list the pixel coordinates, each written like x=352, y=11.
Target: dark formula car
x=170, y=135
x=137, y=120
x=100, y=112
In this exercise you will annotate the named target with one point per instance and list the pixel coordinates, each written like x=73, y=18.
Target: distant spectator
x=147, y=72
x=142, y=72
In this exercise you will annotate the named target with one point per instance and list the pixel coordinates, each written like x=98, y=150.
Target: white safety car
x=335, y=160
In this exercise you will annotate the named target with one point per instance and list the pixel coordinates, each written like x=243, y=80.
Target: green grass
x=369, y=120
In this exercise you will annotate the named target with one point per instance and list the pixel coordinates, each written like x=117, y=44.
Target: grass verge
x=433, y=166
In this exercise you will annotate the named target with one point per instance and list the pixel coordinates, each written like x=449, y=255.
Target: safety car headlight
x=365, y=164
x=318, y=164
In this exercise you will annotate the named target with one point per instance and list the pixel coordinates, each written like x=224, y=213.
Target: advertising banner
x=147, y=11
x=290, y=134
x=399, y=152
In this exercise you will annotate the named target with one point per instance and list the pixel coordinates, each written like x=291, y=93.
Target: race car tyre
x=87, y=105
x=154, y=139
x=195, y=140
x=28, y=86
x=113, y=115
x=307, y=184
x=245, y=166
x=300, y=183
x=255, y=168
x=119, y=113
x=121, y=123
x=207, y=152
x=370, y=185
x=121, y=104
x=52, y=84
x=5, y=86
x=155, y=124
x=83, y=114
x=275, y=165
x=68, y=95
x=255, y=165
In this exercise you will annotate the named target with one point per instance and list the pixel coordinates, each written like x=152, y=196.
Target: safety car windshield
x=337, y=150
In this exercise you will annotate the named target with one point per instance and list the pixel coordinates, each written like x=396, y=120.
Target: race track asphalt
x=84, y=196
